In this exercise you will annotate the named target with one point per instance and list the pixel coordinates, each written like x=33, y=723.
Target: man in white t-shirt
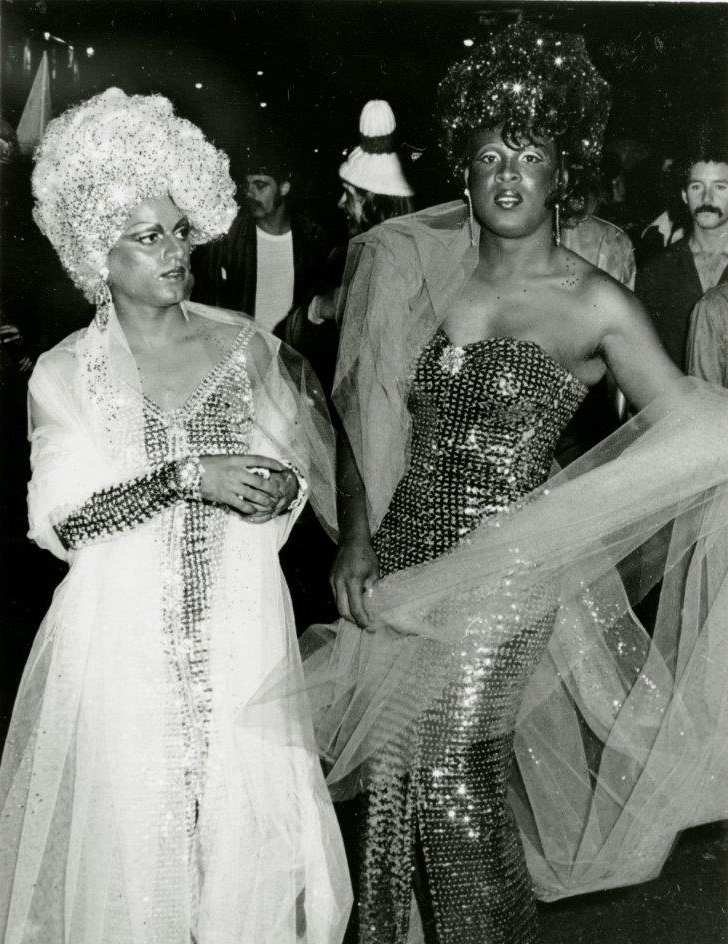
x=266, y=200
x=271, y=259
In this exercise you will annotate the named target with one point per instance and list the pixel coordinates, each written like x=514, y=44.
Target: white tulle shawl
x=92, y=797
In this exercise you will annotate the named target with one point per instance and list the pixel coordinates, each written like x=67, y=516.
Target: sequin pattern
x=486, y=420
x=216, y=419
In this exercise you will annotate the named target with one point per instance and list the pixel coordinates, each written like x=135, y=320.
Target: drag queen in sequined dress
x=143, y=800
x=469, y=338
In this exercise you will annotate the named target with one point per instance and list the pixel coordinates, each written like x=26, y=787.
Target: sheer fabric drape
x=621, y=737
x=93, y=783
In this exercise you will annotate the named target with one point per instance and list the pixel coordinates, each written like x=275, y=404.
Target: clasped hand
x=230, y=480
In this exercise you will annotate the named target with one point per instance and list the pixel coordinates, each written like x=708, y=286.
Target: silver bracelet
x=302, y=485
x=187, y=478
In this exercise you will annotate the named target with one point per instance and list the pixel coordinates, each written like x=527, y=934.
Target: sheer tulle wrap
x=621, y=738
x=92, y=783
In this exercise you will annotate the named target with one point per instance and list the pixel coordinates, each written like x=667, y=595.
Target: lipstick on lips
x=507, y=199
x=176, y=274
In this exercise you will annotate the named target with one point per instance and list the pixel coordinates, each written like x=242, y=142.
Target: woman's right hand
x=355, y=571
x=228, y=480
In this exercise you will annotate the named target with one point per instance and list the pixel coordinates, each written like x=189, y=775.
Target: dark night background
x=322, y=60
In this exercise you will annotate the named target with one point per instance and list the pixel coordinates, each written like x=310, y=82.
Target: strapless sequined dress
x=486, y=419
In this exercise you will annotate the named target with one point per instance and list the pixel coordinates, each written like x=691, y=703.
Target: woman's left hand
x=286, y=483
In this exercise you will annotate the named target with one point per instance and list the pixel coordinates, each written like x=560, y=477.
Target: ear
x=285, y=188
x=466, y=176
x=684, y=195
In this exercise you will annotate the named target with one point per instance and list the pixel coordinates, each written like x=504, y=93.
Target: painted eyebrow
x=158, y=226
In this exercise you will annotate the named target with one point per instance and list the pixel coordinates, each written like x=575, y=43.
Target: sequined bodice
x=215, y=419
x=486, y=419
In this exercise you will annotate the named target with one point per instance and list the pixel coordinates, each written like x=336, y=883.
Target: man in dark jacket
x=271, y=259
x=670, y=283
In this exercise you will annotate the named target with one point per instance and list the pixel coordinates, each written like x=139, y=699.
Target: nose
x=508, y=169
x=342, y=202
x=174, y=247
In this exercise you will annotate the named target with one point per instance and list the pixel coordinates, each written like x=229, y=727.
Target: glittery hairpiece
x=533, y=83
x=100, y=159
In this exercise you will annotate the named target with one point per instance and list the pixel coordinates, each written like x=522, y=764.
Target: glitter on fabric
x=536, y=85
x=216, y=419
x=121, y=507
x=483, y=437
x=100, y=159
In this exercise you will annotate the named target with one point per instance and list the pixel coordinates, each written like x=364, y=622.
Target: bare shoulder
x=611, y=305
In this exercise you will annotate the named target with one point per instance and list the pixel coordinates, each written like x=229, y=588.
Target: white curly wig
x=100, y=159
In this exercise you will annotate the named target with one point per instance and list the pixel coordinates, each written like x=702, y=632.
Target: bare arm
x=631, y=349
x=356, y=568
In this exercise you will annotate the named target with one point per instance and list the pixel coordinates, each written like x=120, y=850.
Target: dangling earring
x=557, y=222
x=560, y=191
x=103, y=299
x=470, y=216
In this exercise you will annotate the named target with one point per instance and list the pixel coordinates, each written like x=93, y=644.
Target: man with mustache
x=272, y=258
x=671, y=283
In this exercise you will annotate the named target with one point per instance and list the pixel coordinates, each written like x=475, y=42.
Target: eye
x=530, y=157
x=147, y=239
x=183, y=230
x=489, y=157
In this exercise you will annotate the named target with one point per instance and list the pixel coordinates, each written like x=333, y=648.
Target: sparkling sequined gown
x=486, y=418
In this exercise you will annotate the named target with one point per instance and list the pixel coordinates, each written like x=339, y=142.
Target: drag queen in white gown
x=143, y=800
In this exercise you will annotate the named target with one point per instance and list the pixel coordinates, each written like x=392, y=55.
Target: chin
x=171, y=295
x=507, y=229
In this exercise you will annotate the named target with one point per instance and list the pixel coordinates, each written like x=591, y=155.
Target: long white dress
x=144, y=801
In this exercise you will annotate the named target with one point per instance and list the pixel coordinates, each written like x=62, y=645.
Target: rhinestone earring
x=103, y=300
x=470, y=216
x=560, y=191
x=557, y=223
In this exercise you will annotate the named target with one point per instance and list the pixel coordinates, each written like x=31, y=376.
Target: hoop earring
x=103, y=300
x=471, y=219
x=557, y=223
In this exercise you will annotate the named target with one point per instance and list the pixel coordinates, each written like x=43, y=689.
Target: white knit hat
x=374, y=164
